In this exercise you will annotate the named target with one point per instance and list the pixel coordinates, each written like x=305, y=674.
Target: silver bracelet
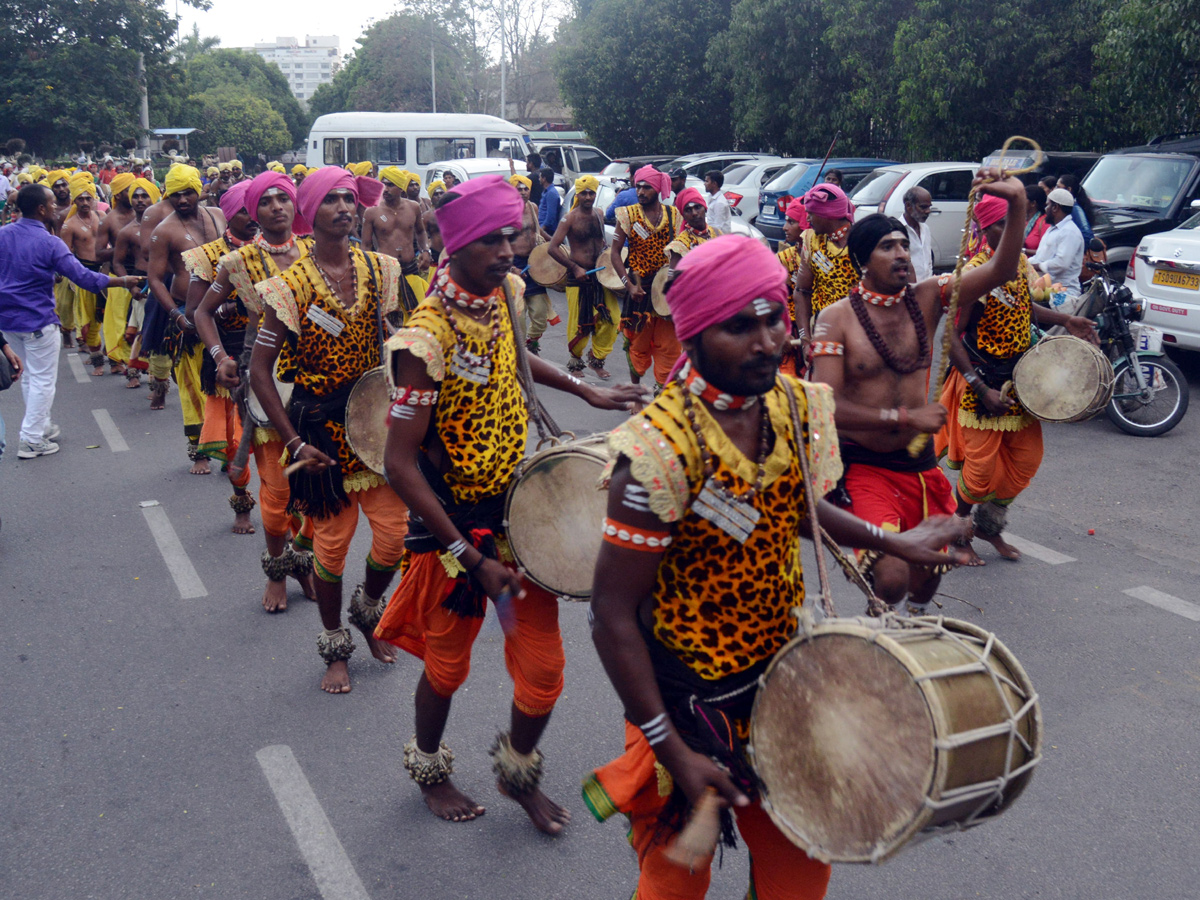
x=656, y=730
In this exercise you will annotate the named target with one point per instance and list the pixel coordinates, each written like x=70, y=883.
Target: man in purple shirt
x=30, y=257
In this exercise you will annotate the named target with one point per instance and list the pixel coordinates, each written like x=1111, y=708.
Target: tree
x=253, y=76
x=194, y=45
x=633, y=72
x=232, y=117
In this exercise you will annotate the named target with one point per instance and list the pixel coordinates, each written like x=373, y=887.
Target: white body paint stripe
x=109, y=429
x=1165, y=601
x=75, y=364
x=178, y=564
x=319, y=845
x=1037, y=551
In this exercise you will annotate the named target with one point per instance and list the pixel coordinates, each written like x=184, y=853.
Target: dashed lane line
x=319, y=845
x=75, y=364
x=178, y=563
x=109, y=429
x=1037, y=551
x=1165, y=601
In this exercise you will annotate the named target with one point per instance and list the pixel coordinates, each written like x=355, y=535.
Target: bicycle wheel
x=1162, y=411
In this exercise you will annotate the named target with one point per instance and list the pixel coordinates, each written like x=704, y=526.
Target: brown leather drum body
x=366, y=418
x=608, y=276
x=555, y=516
x=545, y=269
x=258, y=415
x=1063, y=379
x=868, y=733
x=658, y=293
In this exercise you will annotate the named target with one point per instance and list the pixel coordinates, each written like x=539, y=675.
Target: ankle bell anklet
x=276, y=568
x=301, y=561
x=335, y=646
x=428, y=769
x=241, y=503
x=365, y=612
x=519, y=774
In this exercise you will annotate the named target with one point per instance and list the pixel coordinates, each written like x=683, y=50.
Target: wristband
x=471, y=569
x=656, y=730
x=296, y=452
x=971, y=378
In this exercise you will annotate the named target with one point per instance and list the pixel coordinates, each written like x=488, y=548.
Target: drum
x=554, y=515
x=608, y=276
x=366, y=418
x=658, y=292
x=257, y=415
x=1063, y=379
x=867, y=733
x=545, y=269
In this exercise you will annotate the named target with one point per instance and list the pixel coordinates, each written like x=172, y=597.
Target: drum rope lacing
x=547, y=429
x=917, y=444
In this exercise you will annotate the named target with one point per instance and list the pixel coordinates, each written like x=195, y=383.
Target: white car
x=1165, y=274
x=466, y=169
x=948, y=184
x=744, y=180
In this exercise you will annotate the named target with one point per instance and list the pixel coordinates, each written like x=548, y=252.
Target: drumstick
x=593, y=271
x=698, y=839
x=296, y=467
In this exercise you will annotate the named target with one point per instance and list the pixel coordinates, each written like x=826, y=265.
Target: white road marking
x=109, y=429
x=319, y=845
x=75, y=364
x=1165, y=601
x=1037, y=551
x=178, y=564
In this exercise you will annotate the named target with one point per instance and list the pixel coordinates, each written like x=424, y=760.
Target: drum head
x=608, y=275
x=555, y=517
x=366, y=419
x=257, y=414
x=545, y=269
x=1062, y=379
x=843, y=743
x=658, y=293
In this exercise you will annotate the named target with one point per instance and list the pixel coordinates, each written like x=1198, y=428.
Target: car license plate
x=1184, y=280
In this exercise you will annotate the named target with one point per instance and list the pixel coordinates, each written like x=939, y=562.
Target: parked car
x=570, y=160
x=1164, y=274
x=696, y=164
x=1053, y=162
x=744, y=180
x=466, y=169
x=622, y=169
x=1141, y=191
x=792, y=182
x=948, y=184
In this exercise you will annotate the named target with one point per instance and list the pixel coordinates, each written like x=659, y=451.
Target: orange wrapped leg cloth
x=389, y=524
x=993, y=465
x=274, y=493
x=416, y=621
x=221, y=431
x=657, y=345
x=633, y=785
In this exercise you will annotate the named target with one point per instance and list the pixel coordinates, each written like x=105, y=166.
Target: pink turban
x=264, y=182
x=314, y=189
x=233, y=200
x=690, y=195
x=827, y=200
x=797, y=213
x=718, y=278
x=481, y=206
x=660, y=181
x=990, y=209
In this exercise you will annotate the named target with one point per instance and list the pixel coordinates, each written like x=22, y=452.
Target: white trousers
x=39, y=355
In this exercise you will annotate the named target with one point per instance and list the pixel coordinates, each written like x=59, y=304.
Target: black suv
x=1143, y=190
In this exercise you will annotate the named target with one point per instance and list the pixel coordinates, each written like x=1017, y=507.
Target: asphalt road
x=157, y=742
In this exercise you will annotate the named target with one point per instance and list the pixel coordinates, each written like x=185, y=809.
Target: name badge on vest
x=821, y=261
x=735, y=517
x=325, y=321
x=640, y=230
x=469, y=367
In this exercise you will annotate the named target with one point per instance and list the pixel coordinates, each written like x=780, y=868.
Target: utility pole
x=432, y=72
x=144, y=114
x=503, y=70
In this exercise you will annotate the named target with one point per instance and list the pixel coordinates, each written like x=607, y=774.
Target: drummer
x=458, y=427
x=989, y=437
x=537, y=300
x=593, y=312
x=874, y=349
x=227, y=313
x=322, y=322
x=647, y=226
x=699, y=574
x=696, y=229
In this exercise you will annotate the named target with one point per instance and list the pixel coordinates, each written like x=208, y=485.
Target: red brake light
x=782, y=204
x=734, y=199
x=1129, y=272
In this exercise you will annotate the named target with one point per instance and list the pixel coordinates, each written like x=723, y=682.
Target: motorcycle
x=1150, y=394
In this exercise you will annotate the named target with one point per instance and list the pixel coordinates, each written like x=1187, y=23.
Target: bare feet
x=337, y=678
x=116, y=368
x=447, y=802
x=275, y=597
x=97, y=369
x=972, y=559
x=547, y=816
x=384, y=652
x=200, y=467
x=133, y=381
x=1005, y=549
x=308, y=584
x=241, y=521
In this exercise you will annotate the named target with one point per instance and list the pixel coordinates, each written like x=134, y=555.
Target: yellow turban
x=212, y=172
x=146, y=185
x=394, y=174
x=120, y=182
x=81, y=183
x=277, y=167
x=52, y=178
x=585, y=183
x=360, y=169
x=36, y=173
x=24, y=178
x=235, y=164
x=182, y=178
x=437, y=184
x=515, y=180
x=224, y=167
x=299, y=169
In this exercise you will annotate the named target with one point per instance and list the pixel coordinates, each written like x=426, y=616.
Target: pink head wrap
x=797, y=213
x=313, y=190
x=718, y=278
x=233, y=200
x=827, y=200
x=264, y=182
x=660, y=181
x=481, y=206
x=690, y=195
x=990, y=209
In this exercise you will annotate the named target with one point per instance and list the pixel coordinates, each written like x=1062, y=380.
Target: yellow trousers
x=64, y=304
x=191, y=399
x=159, y=366
x=605, y=334
x=85, y=318
x=116, y=312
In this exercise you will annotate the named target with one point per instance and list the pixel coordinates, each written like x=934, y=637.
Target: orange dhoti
x=416, y=621
x=388, y=517
x=274, y=493
x=655, y=344
x=633, y=785
x=221, y=431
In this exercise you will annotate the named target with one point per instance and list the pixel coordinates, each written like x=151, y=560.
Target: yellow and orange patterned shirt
x=688, y=239
x=201, y=262
x=647, y=243
x=833, y=271
x=245, y=268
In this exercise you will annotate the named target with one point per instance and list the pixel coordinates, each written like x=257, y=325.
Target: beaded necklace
x=234, y=243
x=840, y=235
x=470, y=366
x=905, y=365
x=698, y=387
x=274, y=249
x=884, y=300
x=446, y=287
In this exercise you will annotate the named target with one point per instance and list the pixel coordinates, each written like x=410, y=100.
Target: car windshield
x=617, y=169
x=589, y=160
x=737, y=172
x=875, y=188
x=1137, y=181
x=789, y=176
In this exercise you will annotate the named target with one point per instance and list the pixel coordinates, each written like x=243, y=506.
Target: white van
x=412, y=141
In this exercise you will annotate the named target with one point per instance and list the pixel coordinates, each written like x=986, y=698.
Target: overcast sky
x=239, y=23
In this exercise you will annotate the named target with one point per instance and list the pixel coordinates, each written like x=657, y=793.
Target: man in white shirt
x=918, y=204
x=719, y=215
x=1060, y=254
